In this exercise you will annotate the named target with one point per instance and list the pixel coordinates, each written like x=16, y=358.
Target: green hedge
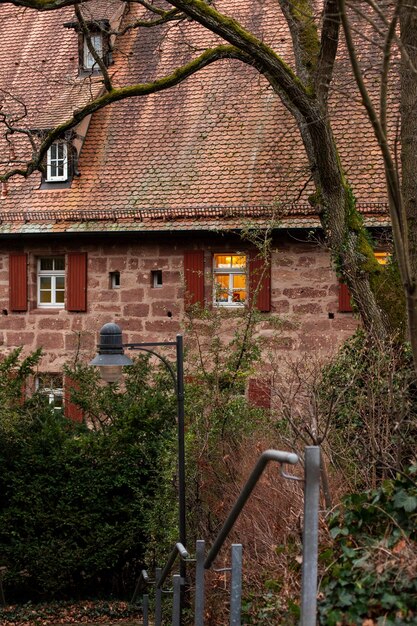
x=75, y=500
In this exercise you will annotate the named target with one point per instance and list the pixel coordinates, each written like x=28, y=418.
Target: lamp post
x=111, y=358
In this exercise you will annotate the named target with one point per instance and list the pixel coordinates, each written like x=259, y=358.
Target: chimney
x=4, y=190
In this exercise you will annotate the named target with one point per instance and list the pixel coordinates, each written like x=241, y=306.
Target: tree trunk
x=351, y=251
x=408, y=24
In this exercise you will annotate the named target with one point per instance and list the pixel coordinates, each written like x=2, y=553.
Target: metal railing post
x=236, y=585
x=158, y=598
x=176, y=604
x=199, y=584
x=310, y=536
x=310, y=545
x=145, y=609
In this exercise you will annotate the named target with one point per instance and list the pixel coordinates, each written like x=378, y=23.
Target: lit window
x=51, y=282
x=51, y=386
x=156, y=279
x=57, y=162
x=382, y=257
x=114, y=280
x=89, y=62
x=229, y=279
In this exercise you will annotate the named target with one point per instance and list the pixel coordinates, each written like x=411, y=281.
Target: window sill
x=47, y=310
x=84, y=73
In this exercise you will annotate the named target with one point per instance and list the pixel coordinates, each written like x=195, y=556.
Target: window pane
x=238, y=261
x=45, y=283
x=52, y=281
x=222, y=280
x=239, y=281
x=222, y=260
x=45, y=297
x=60, y=297
x=56, y=381
x=222, y=287
x=51, y=386
x=97, y=42
x=60, y=282
x=46, y=264
x=239, y=288
x=59, y=263
x=58, y=401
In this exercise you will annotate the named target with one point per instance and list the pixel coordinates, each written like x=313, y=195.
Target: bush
x=374, y=559
x=77, y=501
x=369, y=392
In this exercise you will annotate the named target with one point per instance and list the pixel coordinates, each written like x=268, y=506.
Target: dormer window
x=57, y=163
x=89, y=62
x=98, y=34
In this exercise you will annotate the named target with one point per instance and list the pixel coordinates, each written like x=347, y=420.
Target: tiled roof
x=68, y=99
x=221, y=139
x=179, y=219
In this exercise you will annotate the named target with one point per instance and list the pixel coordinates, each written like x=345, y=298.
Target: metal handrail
x=142, y=581
x=269, y=455
x=178, y=550
x=311, y=483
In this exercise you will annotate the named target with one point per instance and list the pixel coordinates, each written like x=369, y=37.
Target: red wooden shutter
x=194, y=277
x=260, y=281
x=259, y=393
x=344, y=299
x=71, y=410
x=18, y=284
x=77, y=281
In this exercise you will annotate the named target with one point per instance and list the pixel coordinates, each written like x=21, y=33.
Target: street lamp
x=110, y=359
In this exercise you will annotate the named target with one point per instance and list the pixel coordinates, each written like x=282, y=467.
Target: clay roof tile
x=219, y=139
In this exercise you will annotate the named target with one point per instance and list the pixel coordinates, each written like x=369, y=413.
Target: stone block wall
x=304, y=314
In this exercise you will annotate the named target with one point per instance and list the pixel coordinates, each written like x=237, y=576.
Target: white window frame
x=51, y=391
x=231, y=271
x=89, y=62
x=55, y=161
x=53, y=274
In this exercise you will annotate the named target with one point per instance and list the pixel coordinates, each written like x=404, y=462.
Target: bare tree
x=303, y=90
x=392, y=32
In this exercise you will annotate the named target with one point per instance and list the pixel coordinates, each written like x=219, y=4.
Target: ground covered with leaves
x=66, y=613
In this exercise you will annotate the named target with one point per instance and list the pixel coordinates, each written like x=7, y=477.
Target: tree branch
x=97, y=58
x=114, y=95
x=42, y=5
x=328, y=48
x=386, y=66
x=303, y=29
x=151, y=7
x=397, y=212
x=263, y=57
x=169, y=16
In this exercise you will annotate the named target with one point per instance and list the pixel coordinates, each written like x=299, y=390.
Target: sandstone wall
x=304, y=313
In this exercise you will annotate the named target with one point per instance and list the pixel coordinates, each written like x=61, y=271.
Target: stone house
x=140, y=208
